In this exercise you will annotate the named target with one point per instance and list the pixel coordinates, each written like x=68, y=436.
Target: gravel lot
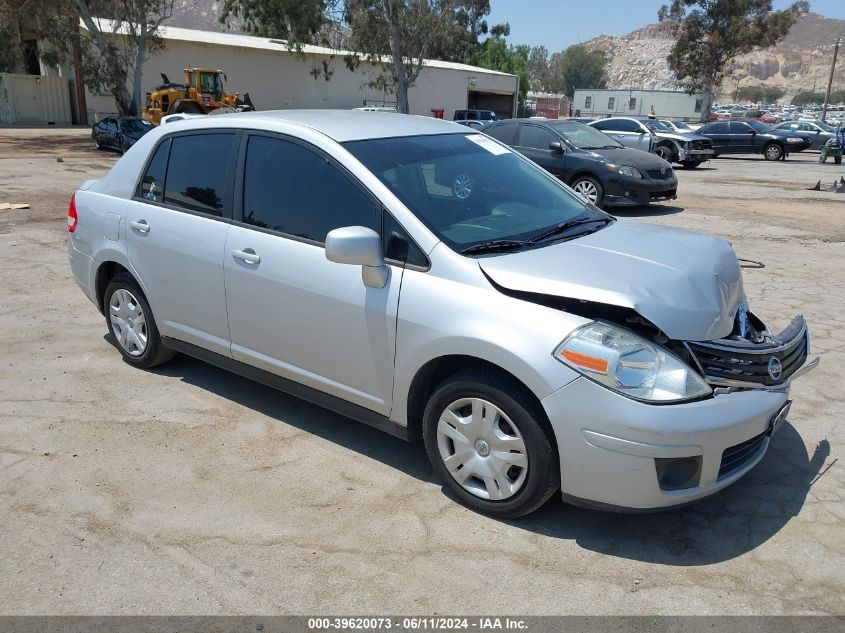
x=188, y=490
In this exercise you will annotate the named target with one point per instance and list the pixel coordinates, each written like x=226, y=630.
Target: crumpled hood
x=687, y=284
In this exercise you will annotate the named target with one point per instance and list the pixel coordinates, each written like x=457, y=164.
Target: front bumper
x=609, y=444
x=621, y=191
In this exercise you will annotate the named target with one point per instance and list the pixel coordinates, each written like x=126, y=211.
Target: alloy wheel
x=128, y=322
x=482, y=449
x=586, y=190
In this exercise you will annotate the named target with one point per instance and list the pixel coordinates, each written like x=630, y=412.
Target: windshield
x=134, y=125
x=826, y=127
x=486, y=115
x=680, y=125
x=211, y=83
x=469, y=189
x=657, y=126
x=582, y=136
x=760, y=127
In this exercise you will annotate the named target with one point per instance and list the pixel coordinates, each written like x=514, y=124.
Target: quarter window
x=294, y=190
x=198, y=172
x=535, y=137
x=152, y=184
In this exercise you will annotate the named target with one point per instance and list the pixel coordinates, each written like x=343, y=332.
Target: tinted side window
x=737, y=127
x=292, y=189
x=604, y=125
x=398, y=245
x=624, y=125
x=717, y=128
x=503, y=133
x=152, y=184
x=535, y=137
x=198, y=172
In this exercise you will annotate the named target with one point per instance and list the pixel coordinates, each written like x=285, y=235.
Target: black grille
x=662, y=195
x=656, y=175
x=741, y=362
x=736, y=457
x=704, y=144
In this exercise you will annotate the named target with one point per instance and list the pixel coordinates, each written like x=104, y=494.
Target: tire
x=588, y=188
x=837, y=160
x=97, y=142
x=495, y=482
x=130, y=321
x=691, y=164
x=665, y=152
x=773, y=151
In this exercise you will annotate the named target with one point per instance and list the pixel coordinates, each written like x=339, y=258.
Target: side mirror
x=359, y=246
x=556, y=147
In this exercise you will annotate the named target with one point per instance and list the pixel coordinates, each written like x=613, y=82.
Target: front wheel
x=589, y=188
x=665, y=152
x=491, y=444
x=773, y=151
x=837, y=160
x=691, y=164
x=97, y=142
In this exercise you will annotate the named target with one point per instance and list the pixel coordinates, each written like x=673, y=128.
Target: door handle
x=141, y=226
x=247, y=255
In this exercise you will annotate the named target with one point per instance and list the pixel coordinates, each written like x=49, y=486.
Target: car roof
x=340, y=125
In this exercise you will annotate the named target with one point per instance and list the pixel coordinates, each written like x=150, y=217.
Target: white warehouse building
x=278, y=78
x=672, y=104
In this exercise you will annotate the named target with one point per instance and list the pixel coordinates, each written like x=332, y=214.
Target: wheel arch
x=435, y=371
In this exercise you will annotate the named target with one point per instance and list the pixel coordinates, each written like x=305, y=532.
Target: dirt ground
x=187, y=490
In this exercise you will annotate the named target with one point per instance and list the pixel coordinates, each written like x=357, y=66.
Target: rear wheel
x=773, y=151
x=130, y=320
x=588, y=188
x=491, y=444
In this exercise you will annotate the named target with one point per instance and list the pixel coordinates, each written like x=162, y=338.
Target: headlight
x=628, y=364
x=794, y=139
x=625, y=170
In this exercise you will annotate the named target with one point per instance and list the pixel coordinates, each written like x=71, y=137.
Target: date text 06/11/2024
x=417, y=623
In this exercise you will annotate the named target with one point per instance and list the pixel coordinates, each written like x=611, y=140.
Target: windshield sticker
x=489, y=144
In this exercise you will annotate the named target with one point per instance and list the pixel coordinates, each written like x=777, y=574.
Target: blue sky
x=559, y=23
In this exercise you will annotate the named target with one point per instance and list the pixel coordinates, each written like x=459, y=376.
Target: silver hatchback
x=423, y=278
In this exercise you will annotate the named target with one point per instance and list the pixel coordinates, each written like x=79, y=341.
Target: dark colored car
x=119, y=133
x=598, y=168
x=474, y=115
x=752, y=137
x=818, y=132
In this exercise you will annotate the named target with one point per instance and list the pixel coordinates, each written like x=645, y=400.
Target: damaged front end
x=753, y=358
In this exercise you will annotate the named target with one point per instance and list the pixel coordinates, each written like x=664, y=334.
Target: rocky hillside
x=800, y=62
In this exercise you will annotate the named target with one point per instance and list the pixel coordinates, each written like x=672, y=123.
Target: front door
x=533, y=142
x=742, y=138
x=291, y=311
x=176, y=230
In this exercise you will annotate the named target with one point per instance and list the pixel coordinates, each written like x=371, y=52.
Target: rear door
x=176, y=234
x=533, y=142
x=742, y=138
x=719, y=133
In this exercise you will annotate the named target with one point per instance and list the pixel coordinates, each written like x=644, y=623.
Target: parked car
x=598, y=168
x=474, y=115
x=817, y=133
x=119, y=133
x=679, y=127
x=427, y=280
x=690, y=150
x=752, y=137
x=179, y=116
x=472, y=123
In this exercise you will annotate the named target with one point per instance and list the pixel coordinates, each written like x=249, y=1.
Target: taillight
x=72, y=219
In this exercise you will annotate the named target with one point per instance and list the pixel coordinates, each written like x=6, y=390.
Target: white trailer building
x=278, y=78
x=671, y=104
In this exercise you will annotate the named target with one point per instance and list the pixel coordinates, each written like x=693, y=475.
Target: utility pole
x=836, y=46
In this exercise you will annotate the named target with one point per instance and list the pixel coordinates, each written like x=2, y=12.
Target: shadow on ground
x=645, y=211
x=724, y=526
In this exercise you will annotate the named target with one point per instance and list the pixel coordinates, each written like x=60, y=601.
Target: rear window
x=198, y=172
